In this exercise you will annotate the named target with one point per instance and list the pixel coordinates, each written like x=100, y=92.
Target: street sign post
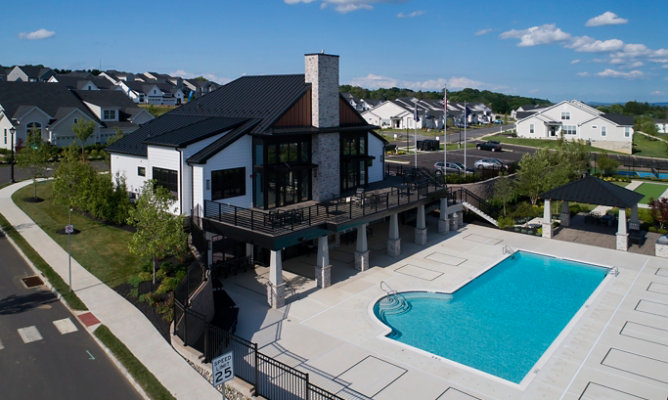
x=223, y=370
x=69, y=229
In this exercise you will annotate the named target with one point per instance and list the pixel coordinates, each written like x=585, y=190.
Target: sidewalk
x=121, y=317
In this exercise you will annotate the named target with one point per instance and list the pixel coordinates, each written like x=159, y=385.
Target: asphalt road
x=38, y=360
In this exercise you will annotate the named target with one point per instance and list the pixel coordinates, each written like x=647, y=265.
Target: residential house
x=29, y=73
x=526, y=110
x=152, y=92
x=51, y=109
x=574, y=120
x=353, y=101
x=115, y=76
x=194, y=88
x=81, y=80
x=661, y=125
x=271, y=163
x=368, y=104
x=400, y=114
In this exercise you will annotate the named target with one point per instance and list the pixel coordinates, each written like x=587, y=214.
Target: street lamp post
x=12, y=130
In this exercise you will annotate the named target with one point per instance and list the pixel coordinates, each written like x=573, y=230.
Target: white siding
x=62, y=134
x=187, y=186
x=127, y=166
x=377, y=150
x=237, y=154
x=198, y=189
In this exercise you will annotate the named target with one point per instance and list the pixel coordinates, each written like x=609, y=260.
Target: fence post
x=257, y=367
x=307, y=388
x=252, y=219
x=185, y=326
x=220, y=213
x=207, y=349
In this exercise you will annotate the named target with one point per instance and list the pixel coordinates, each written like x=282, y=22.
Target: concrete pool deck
x=616, y=348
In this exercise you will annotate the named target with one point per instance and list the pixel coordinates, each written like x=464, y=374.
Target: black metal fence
x=271, y=378
x=459, y=195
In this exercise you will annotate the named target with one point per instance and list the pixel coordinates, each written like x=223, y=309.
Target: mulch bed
x=156, y=319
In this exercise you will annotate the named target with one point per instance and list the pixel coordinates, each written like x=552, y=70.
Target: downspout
x=180, y=181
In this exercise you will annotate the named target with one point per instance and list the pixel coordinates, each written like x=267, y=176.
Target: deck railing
x=282, y=221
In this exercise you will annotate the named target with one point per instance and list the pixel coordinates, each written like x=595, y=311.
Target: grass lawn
x=101, y=249
x=622, y=184
x=648, y=147
x=650, y=190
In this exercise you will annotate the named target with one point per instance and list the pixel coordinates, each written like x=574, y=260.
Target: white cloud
x=611, y=73
x=343, y=6
x=590, y=45
x=657, y=93
x=607, y=18
x=582, y=74
x=537, y=35
x=576, y=61
x=412, y=14
x=37, y=35
x=212, y=77
x=373, y=81
x=483, y=31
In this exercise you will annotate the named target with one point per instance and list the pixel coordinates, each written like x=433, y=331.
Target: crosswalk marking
x=1, y=346
x=65, y=326
x=29, y=334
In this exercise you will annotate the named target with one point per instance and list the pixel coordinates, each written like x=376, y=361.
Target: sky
x=595, y=51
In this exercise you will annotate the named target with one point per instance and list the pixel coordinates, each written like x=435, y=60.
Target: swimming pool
x=501, y=322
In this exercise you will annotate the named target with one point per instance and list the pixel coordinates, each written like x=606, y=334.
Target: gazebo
x=592, y=190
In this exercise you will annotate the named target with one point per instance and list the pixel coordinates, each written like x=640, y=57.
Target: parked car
x=451, y=167
x=490, y=145
x=498, y=121
x=494, y=163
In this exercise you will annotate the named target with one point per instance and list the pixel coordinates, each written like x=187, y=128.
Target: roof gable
x=592, y=190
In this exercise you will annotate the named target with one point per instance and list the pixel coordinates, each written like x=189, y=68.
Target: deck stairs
x=393, y=303
x=481, y=213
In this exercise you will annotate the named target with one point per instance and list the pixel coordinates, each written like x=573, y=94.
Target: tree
x=34, y=157
x=159, y=233
x=606, y=164
x=82, y=130
x=117, y=136
x=504, y=191
x=659, y=210
x=531, y=180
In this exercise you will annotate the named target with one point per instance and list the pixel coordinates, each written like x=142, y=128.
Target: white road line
x=29, y=334
x=65, y=326
x=1, y=346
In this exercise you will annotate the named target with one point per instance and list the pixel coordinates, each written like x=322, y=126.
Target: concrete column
x=323, y=269
x=337, y=240
x=622, y=234
x=420, y=227
x=275, y=286
x=547, y=219
x=459, y=219
x=362, y=249
x=634, y=222
x=249, y=253
x=565, y=215
x=393, y=240
x=443, y=223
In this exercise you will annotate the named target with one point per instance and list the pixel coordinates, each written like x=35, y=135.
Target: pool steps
x=393, y=303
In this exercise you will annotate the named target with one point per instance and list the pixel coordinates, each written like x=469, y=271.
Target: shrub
x=134, y=280
x=145, y=276
x=505, y=222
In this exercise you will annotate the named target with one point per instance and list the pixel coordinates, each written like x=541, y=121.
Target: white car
x=451, y=167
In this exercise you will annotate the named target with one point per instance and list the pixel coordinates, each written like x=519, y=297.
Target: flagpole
x=466, y=121
x=445, y=128
x=415, y=121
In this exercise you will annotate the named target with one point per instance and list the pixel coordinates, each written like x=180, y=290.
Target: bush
x=134, y=280
x=505, y=222
x=145, y=276
x=525, y=209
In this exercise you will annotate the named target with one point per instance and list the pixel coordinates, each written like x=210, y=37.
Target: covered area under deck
x=592, y=190
x=273, y=234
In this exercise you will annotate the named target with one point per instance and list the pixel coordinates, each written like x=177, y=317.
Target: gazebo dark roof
x=592, y=190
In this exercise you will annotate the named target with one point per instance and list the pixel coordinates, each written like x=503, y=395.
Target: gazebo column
x=275, y=286
x=443, y=223
x=622, y=234
x=634, y=222
x=565, y=215
x=323, y=269
x=547, y=219
x=362, y=249
x=420, y=226
x=393, y=239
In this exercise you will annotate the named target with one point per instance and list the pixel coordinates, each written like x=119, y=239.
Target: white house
x=574, y=120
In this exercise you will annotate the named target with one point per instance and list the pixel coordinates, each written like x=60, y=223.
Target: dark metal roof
x=194, y=132
x=52, y=98
x=592, y=190
x=209, y=151
x=619, y=119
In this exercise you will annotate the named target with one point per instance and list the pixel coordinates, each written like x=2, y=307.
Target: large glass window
x=284, y=176
x=167, y=178
x=569, y=130
x=353, y=161
x=227, y=183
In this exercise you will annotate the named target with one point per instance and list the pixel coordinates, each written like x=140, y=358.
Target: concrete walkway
x=121, y=317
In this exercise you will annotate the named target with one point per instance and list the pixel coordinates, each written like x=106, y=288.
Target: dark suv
x=490, y=145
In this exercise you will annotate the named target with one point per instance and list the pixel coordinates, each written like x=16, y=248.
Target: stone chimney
x=322, y=72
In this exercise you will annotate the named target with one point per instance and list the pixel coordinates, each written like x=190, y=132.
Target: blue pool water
x=642, y=174
x=501, y=322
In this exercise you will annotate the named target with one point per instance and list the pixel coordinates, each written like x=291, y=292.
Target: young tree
x=159, y=232
x=531, y=176
x=606, y=164
x=82, y=130
x=659, y=210
x=504, y=191
x=34, y=157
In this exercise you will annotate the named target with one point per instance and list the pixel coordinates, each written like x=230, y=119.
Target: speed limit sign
x=223, y=368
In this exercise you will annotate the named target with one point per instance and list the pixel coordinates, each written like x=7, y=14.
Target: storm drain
x=32, y=281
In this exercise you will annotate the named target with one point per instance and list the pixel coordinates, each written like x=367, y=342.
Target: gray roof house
x=29, y=73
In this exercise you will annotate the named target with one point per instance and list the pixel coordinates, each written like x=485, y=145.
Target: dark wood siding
x=298, y=115
x=348, y=115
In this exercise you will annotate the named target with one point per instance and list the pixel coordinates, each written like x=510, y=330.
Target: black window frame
x=227, y=183
x=141, y=171
x=167, y=178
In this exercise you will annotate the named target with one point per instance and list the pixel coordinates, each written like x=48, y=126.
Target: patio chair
x=358, y=199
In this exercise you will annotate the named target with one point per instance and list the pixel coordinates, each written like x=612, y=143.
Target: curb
x=47, y=283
